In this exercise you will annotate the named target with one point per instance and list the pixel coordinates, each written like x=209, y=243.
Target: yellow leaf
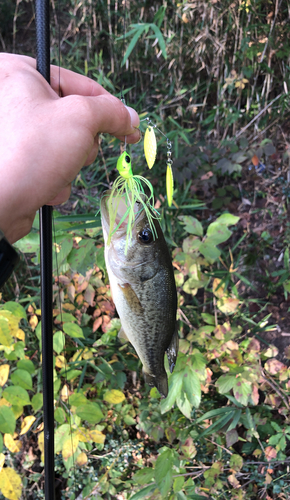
x=41, y=445
x=4, y=402
x=69, y=307
x=228, y=305
x=11, y=444
x=39, y=428
x=60, y=361
x=38, y=312
x=2, y=460
x=184, y=18
x=20, y=334
x=10, y=484
x=82, y=434
x=150, y=146
x=97, y=436
x=169, y=184
x=69, y=446
x=87, y=354
x=26, y=424
x=81, y=459
x=114, y=396
x=33, y=321
x=5, y=335
x=4, y=372
x=218, y=289
x=64, y=393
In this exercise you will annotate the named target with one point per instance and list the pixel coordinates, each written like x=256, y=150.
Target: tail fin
x=160, y=382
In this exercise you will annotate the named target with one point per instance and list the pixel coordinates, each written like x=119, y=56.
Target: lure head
x=124, y=165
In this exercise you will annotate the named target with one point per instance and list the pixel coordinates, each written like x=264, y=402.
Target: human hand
x=45, y=139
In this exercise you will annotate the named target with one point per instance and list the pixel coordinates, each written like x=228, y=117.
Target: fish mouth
x=121, y=210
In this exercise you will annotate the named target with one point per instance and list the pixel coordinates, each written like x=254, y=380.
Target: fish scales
x=143, y=289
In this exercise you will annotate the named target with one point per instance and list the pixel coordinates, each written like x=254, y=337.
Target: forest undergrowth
x=214, y=76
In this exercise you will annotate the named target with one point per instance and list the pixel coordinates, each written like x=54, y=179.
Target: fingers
x=65, y=82
x=104, y=113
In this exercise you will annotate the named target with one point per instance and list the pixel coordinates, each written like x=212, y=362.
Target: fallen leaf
x=26, y=424
x=10, y=484
x=4, y=373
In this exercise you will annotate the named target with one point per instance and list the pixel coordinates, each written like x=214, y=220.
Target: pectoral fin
x=131, y=298
x=172, y=350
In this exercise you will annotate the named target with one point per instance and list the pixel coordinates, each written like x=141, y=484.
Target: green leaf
x=28, y=244
x=37, y=401
x=160, y=39
x=184, y=405
x=242, y=390
x=73, y=330
x=26, y=364
x=7, y=420
x=58, y=342
x=225, y=383
x=175, y=386
x=82, y=258
x=66, y=318
x=191, y=385
x=63, y=245
x=178, y=484
x=192, y=225
x=16, y=309
x=60, y=435
x=16, y=395
x=129, y=420
x=227, y=219
x=78, y=399
x=90, y=412
x=218, y=424
x=164, y=471
x=145, y=492
x=209, y=251
x=59, y=415
x=218, y=234
x=144, y=476
x=276, y=427
x=22, y=378
x=138, y=32
x=215, y=413
x=273, y=440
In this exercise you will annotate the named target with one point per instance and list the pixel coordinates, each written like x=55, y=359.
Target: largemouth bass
x=143, y=290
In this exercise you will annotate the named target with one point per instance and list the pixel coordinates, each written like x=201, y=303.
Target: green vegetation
x=215, y=77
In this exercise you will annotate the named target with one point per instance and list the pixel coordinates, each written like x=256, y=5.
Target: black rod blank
x=45, y=214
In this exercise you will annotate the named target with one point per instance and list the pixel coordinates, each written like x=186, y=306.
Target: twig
x=258, y=115
x=223, y=447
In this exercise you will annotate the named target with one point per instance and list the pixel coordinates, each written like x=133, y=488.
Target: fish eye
x=145, y=236
x=127, y=159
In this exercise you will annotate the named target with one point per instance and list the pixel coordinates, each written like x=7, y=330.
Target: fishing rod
x=45, y=222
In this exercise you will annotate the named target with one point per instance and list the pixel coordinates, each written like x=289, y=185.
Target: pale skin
x=45, y=139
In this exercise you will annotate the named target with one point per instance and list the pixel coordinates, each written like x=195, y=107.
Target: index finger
x=65, y=82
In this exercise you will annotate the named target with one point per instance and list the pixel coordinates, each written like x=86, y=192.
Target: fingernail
x=134, y=117
x=136, y=128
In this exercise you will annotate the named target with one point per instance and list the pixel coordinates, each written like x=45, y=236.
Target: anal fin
x=172, y=350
